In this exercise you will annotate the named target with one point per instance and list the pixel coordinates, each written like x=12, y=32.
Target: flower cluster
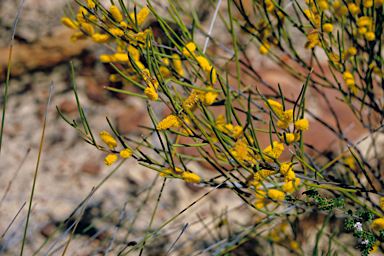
x=111, y=143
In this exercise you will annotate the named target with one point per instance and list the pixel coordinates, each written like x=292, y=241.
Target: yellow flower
x=141, y=16
x=378, y=224
x=339, y=9
x=203, y=63
x=116, y=32
x=191, y=47
x=209, y=97
x=290, y=138
x=177, y=64
x=256, y=184
x=110, y=159
x=353, y=9
x=78, y=36
x=302, y=125
x=323, y=5
x=122, y=57
x=287, y=115
x=93, y=18
x=126, y=153
x=116, y=14
x=191, y=177
x=151, y=93
x=362, y=30
x=142, y=36
x=170, y=121
x=364, y=21
x=367, y=3
x=88, y=28
x=269, y=5
x=241, y=149
x=290, y=176
x=69, y=23
x=276, y=194
x=108, y=139
x=285, y=168
x=278, y=148
x=294, y=245
x=264, y=48
x=288, y=186
x=282, y=124
x=90, y=4
x=260, y=194
x=170, y=171
x=80, y=16
x=262, y=203
x=312, y=39
x=82, y=10
x=123, y=25
x=348, y=78
x=370, y=36
x=103, y=38
x=237, y=132
x=263, y=173
x=277, y=107
x=327, y=28
x=350, y=52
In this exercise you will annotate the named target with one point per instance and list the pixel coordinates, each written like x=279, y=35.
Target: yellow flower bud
x=260, y=194
x=141, y=16
x=69, y=23
x=88, y=28
x=370, y=36
x=276, y=194
x=103, y=38
x=108, y=139
x=151, y=93
x=116, y=32
x=191, y=177
x=364, y=21
x=282, y=124
x=323, y=5
x=353, y=9
x=90, y=4
x=327, y=28
x=285, y=168
x=110, y=159
x=264, y=49
x=203, y=63
x=126, y=153
x=170, y=121
x=209, y=97
x=367, y=3
x=302, y=125
x=116, y=14
x=191, y=47
x=276, y=106
x=122, y=57
x=290, y=176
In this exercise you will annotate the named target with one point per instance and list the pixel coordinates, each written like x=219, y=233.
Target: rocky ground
x=69, y=167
